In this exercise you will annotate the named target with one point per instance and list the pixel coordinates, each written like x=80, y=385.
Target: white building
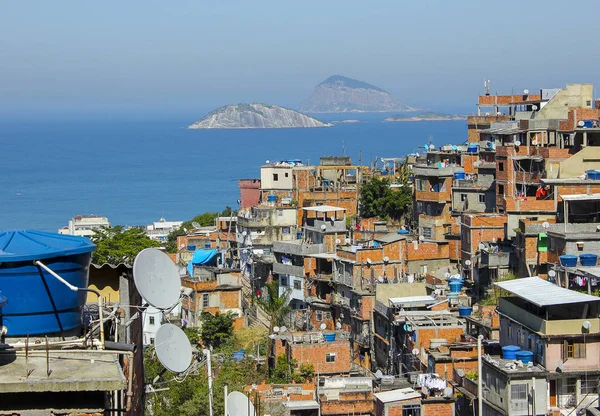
x=84, y=225
x=159, y=230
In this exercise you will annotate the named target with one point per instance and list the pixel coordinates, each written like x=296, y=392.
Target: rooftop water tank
x=588, y=260
x=37, y=302
x=568, y=260
x=510, y=352
x=593, y=175
x=329, y=336
x=524, y=356
x=459, y=174
x=465, y=310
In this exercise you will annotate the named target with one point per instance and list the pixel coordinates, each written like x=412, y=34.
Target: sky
x=178, y=59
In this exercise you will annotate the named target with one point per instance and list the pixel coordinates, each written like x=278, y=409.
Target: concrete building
x=159, y=230
x=84, y=225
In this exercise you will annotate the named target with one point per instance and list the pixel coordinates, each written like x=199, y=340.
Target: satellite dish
x=551, y=273
x=460, y=372
x=196, y=225
x=369, y=261
x=276, y=329
x=534, y=107
x=586, y=325
x=448, y=392
x=526, y=92
x=338, y=325
x=338, y=241
x=534, y=142
x=182, y=246
x=244, y=233
x=425, y=390
x=173, y=348
x=323, y=227
x=378, y=374
x=386, y=259
x=239, y=405
x=415, y=245
x=581, y=123
x=481, y=246
x=467, y=262
x=267, y=161
x=283, y=329
x=517, y=143
x=415, y=351
x=156, y=278
x=446, y=275
x=431, y=147
x=421, y=238
x=348, y=241
x=323, y=326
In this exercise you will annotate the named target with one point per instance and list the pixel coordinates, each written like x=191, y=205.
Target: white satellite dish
x=338, y=241
x=323, y=227
x=276, y=329
x=338, y=325
x=534, y=142
x=425, y=390
x=534, y=107
x=348, y=241
x=545, y=224
x=386, y=259
x=551, y=273
x=481, y=246
x=517, y=143
x=323, y=326
x=267, y=161
x=238, y=404
x=156, y=278
x=378, y=374
x=173, y=348
x=467, y=262
x=369, y=261
x=586, y=325
x=431, y=147
x=415, y=351
x=196, y=225
x=421, y=238
x=244, y=233
x=525, y=91
x=581, y=123
x=283, y=329
x=446, y=275
x=460, y=372
x=448, y=392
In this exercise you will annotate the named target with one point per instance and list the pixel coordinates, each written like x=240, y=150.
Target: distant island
x=339, y=94
x=255, y=116
x=428, y=116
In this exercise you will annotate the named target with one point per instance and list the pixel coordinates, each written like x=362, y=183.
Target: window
x=551, y=244
x=588, y=103
x=151, y=341
x=463, y=197
x=330, y=357
x=297, y=284
x=287, y=174
x=589, y=386
x=573, y=349
x=275, y=176
x=411, y=410
x=482, y=198
x=283, y=281
x=501, y=166
x=280, y=213
x=500, y=189
x=427, y=232
x=518, y=391
x=319, y=316
x=510, y=332
x=285, y=230
x=151, y=320
x=205, y=300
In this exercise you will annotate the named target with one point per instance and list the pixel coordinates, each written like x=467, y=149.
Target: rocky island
x=255, y=116
x=339, y=94
x=429, y=116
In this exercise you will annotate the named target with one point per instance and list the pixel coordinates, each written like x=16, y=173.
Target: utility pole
x=479, y=378
x=210, y=380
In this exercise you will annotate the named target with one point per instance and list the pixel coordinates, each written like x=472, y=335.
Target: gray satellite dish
x=378, y=374
x=586, y=325
x=173, y=348
x=239, y=405
x=460, y=372
x=156, y=278
x=425, y=390
x=448, y=392
x=415, y=351
x=323, y=326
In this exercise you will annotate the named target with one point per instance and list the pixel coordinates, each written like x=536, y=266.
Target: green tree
x=116, y=245
x=282, y=373
x=379, y=199
x=274, y=305
x=216, y=329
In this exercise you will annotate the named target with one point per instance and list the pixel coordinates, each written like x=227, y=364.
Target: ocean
x=135, y=172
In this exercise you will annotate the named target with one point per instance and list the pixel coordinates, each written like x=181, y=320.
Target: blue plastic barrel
x=191, y=247
x=272, y=198
x=593, y=174
x=588, y=259
x=568, y=260
x=455, y=286
x=524, y=356
x=37, y=303
x=239, y=355
x=452, y=295
x=464, y=310
x=206, y=245
x=510, y=352
x=459, y=175
x=329, y=336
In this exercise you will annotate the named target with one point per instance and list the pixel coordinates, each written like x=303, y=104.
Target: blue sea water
x=134, y=172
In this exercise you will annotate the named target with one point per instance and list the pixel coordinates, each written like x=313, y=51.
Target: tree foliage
x=116, y=245
x=274, y=305
x=378, y=199
x=216, y=329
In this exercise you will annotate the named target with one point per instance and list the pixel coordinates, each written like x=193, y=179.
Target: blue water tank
x=299, y=235
x=239, y=355
x=568, y=260
x=329, y=336
x=37, y=302
x=191, y=247
x=464, y=310
x=593, y=174
x=472, y=148
x=402, y=231
x=455, y=285
x=272, y=198
x=588, y=260
x=510, y=352
x=524, y=356
x=459, y=174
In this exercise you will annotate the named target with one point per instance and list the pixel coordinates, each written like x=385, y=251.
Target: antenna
x=196, y=225
x=526, y=91
x=448, y=392
x=323, y=227
x=467, y=263
x=586, y=325
x=156, y=278
x=546, y=224
x=238, y=404
x=173, y=348
x=323, y=327
x=415, y=351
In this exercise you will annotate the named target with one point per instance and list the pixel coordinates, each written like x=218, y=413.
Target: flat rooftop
x=543, y=293
x=69, y=371
x=514, y=366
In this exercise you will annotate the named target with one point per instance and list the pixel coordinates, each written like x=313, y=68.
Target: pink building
x=249, y=192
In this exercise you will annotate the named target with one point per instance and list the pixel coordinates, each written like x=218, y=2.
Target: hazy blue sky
x=183, y=58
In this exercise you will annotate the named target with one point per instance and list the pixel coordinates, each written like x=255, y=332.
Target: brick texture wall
x=315, y=354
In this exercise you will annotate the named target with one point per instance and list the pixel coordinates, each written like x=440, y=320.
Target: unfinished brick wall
x=315, y=354
x=441, y=407
x=348, y=403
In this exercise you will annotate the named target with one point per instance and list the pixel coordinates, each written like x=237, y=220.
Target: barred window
x=518, y=392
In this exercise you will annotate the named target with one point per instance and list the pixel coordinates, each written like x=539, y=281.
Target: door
x=552, y=393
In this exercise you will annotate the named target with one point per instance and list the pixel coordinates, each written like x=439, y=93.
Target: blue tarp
x=200, y=257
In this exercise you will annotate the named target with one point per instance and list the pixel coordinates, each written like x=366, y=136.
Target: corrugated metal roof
x=543, y=293
x=412, y=299
x=580, y=197
x=397, y=395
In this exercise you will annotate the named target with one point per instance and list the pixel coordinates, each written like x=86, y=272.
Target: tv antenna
x=156, y=278
x=196, y=225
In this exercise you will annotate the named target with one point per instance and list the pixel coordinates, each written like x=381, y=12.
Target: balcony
x=343, y=278
x=329, y=226
x=494, y=259
x=545, y=327
x=297, y=247
x=288, y=269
